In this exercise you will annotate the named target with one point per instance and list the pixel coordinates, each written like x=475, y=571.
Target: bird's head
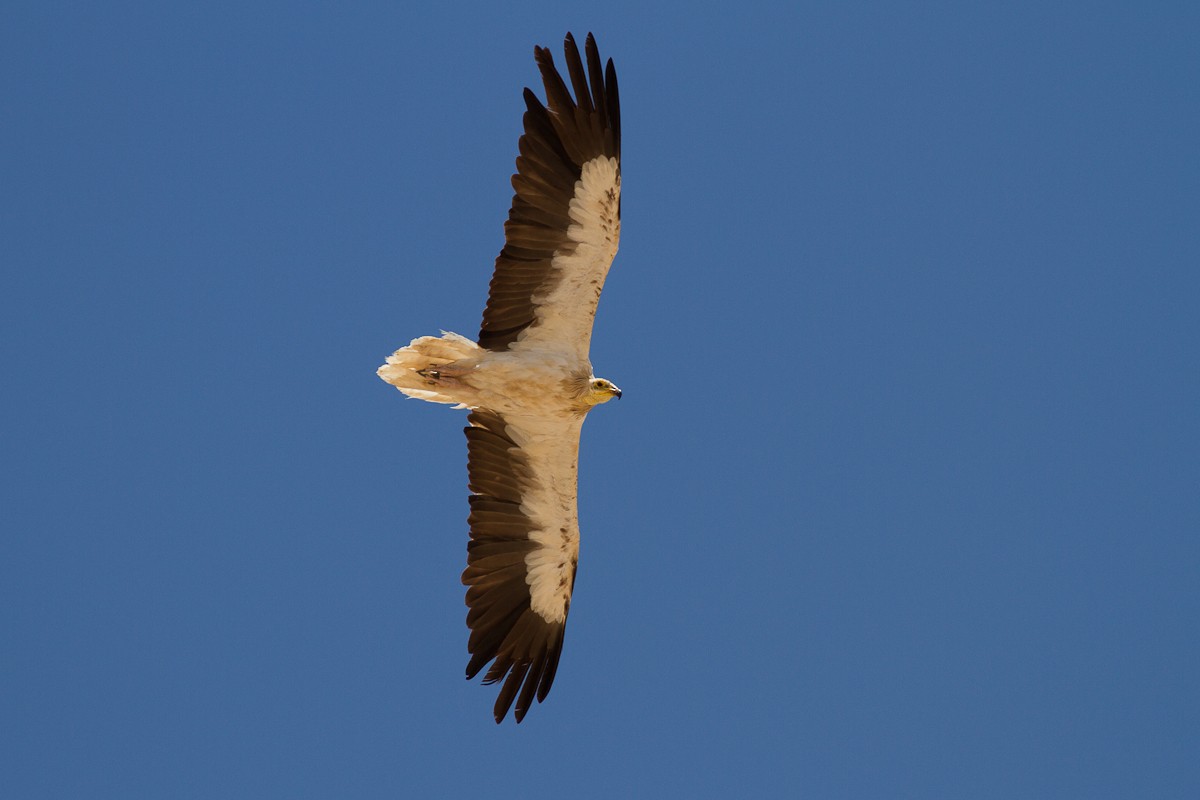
x=601, y=391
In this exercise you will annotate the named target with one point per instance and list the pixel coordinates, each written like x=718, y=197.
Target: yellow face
x=601, y=391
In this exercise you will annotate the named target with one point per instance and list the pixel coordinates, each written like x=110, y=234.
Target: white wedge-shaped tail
x=415, y=371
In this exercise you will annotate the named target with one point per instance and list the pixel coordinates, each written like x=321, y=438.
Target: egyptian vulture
x=527, y=381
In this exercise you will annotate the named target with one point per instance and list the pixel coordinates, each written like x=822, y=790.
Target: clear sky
x=902, y=500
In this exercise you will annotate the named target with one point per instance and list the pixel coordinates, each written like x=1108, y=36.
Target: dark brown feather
x=579, y=80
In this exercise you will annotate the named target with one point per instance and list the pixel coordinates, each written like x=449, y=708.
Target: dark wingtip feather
x=579, y=82
x=614, y=104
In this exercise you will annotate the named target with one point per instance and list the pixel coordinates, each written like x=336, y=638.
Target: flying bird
x=527, y=380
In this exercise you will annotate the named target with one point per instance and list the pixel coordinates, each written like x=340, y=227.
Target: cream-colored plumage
x=528, y=381
x=566, y=311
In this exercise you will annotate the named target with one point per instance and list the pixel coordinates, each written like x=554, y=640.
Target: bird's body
x=528, y=382
x=452, y=369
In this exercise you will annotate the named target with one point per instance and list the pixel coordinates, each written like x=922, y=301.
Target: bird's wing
x=562, y=231
x=523, y=550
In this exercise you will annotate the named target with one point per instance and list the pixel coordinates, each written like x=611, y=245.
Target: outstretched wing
x=523, y=550
x=562, y=231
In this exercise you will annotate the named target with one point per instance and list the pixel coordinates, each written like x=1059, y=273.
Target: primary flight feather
x=527, y=381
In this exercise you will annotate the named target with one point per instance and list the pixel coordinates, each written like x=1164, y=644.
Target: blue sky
x=902, y=499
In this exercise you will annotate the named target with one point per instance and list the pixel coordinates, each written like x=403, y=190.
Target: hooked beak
x=617, y=392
